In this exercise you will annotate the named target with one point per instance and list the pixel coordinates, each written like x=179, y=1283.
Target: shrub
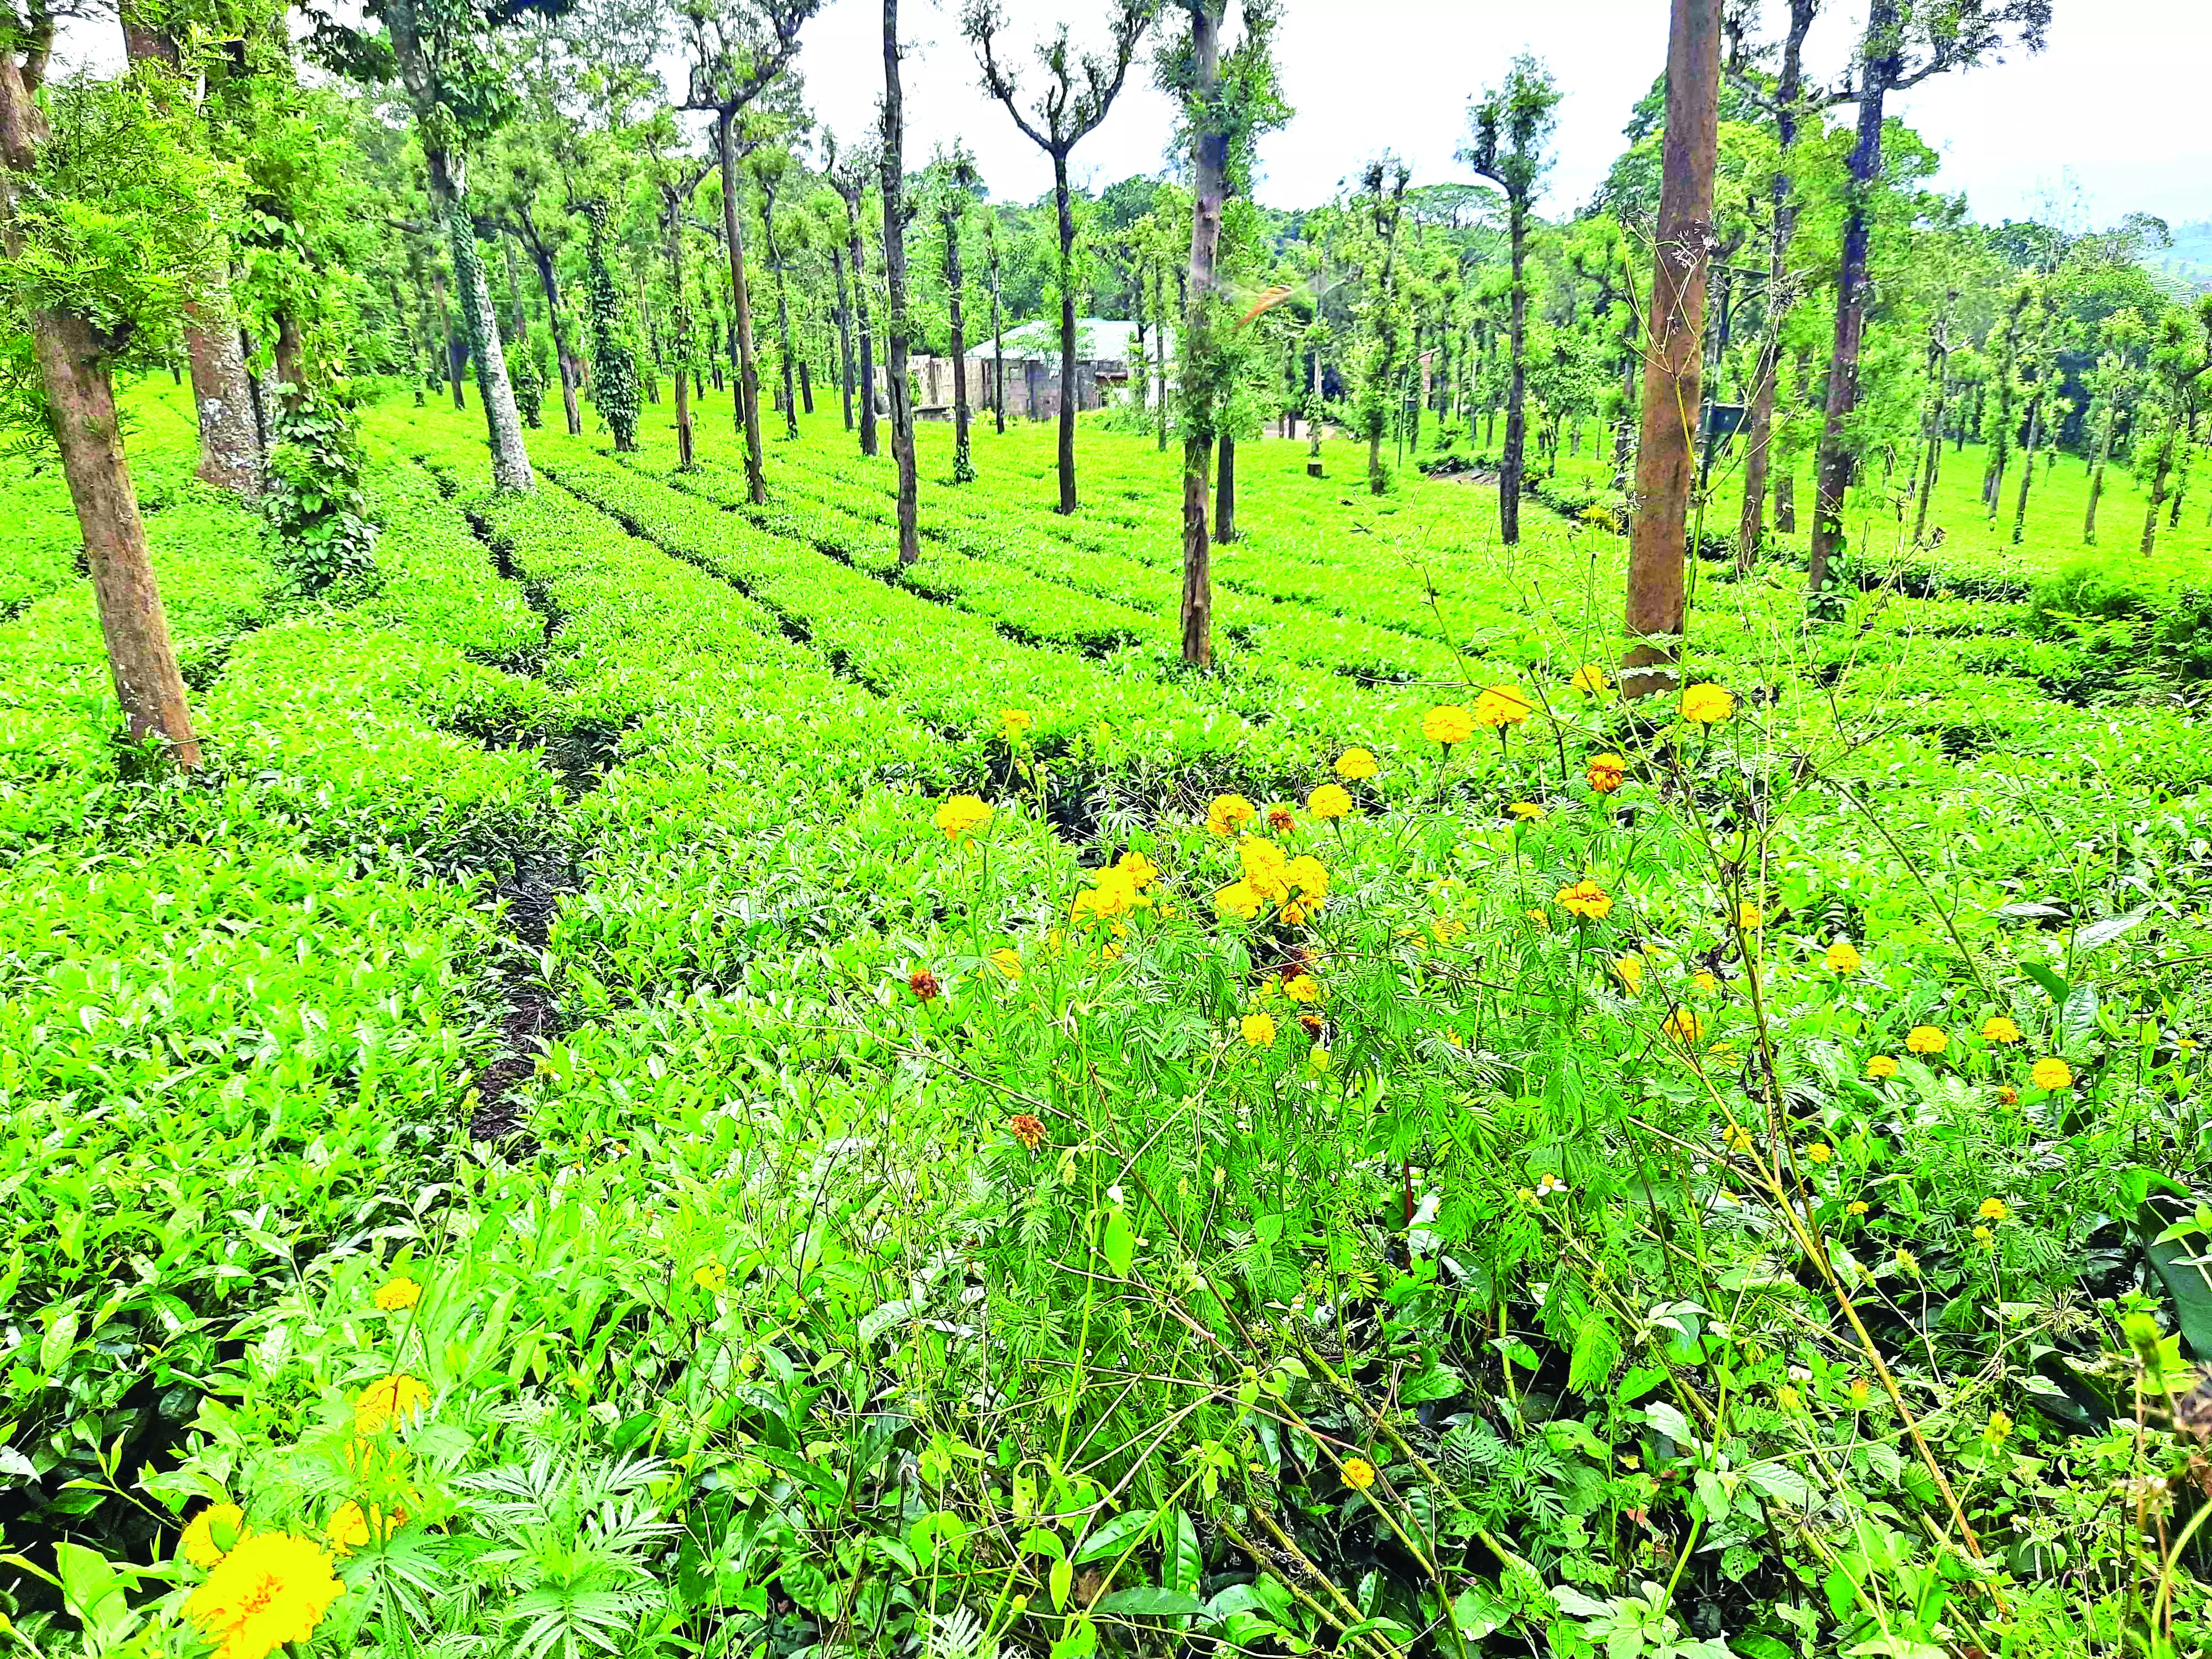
x=314, y=498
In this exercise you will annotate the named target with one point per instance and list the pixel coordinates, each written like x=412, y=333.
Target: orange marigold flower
x=1605, y=773
x=1026, y=1127
x=1586, y=898
x=923, y=985
x=1282, y=820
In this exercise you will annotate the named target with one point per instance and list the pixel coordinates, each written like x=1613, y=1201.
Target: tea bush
x=680, y=1085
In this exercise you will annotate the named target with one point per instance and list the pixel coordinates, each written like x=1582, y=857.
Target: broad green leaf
x=1117, y=1243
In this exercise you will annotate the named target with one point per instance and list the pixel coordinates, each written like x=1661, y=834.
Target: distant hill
x=2186, y=267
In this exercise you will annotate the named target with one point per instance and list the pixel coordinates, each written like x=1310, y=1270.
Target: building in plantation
x=1106, y=354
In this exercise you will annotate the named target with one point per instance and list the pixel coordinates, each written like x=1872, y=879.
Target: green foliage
x=614, y=369
x=313, y=497
x=121, y=223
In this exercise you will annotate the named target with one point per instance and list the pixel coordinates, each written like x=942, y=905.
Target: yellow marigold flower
x=397, y=1294
x=1684, y=1026
x=351, y=1528
x=1703, y=982
x=1881, y=1066
x=1591, y=679
x=961, y=816
x=1359, y=1474
x=1259, y=1030
x=1629, y=969
x=1749, y=917
x=1737, y=1138
x=1859, y=1393
x=1014, y=722
x=1309, y=875
x=1905, y=1260
x=1998, y=1029
x=1927, y=1040
x=1993, y=1209
x=1448, y=723
x=1226, y=814
x=1820, y=1151
x=2051, y=1075
x=1706, y=705
x=1541, y=918
x=1265, y=867
x=1526, y=810
x=1842, y=957
x=1353, y=765
x=273, y=1590
x=398, y=1398
x=1605, y=773
x=1239, y=898
x=1501, y=705
x=1856, y=1206
x=1999, y=1429
x=1142, y=871
x=1788, y=1399
x=1302, y=987
x=1585, y=898
x=212, y=1534
x=1983, y=1235
x=1331, y=800
x=711, y=1276
x=1007, y=961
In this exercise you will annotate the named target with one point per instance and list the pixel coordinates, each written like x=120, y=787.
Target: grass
x=811, y=1230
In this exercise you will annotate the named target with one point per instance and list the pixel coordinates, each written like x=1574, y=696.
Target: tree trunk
x=1759, y=423
x=1934, y=457
x=1160, y=330
x=748, y=392
x=1063, y=206
x=81, y=396
x=1672, y=382
x=858, y=249
x=1517, y=419
x=1313, y=421
x=510, y=460
x=230, y=453
x=684, y=460
x=1224, y=493
x=844, y=333
x=998, y=344
x=1209, y=157
x=964, y=463
x=564, y=363
x=1834, y=467
x=806, y=385
x=895, y=328
x=230, y=449
x=782, y=315
x=445, y=337
x=2028, y=472
x=2097, y=477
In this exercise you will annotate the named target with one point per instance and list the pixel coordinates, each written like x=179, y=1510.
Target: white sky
x=2118, y=97
x=2116, y=102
